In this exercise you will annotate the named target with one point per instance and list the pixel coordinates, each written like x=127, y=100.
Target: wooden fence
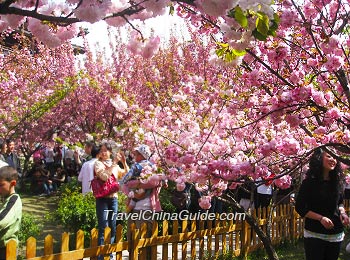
x=175, y=240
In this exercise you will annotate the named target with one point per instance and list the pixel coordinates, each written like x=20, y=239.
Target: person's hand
x=327, y=223
x=120, y=157
x=345, y=219
x=165, y=184
x=76, y=155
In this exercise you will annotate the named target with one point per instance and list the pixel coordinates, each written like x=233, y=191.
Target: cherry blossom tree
x=214, y=124
x=55, y=22
x=258, y=114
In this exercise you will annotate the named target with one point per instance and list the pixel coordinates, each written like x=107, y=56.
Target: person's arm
x=81, y=173
x=7, y=211
x=63, y=177
x=121, y=158
x=102, y=172
x=343, y=216
x=301, y=204
x=140, y=194
x=136, y=184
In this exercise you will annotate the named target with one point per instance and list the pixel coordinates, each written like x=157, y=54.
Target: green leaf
x=220, y=52
x=262, y=24
x=171, y=10
x=239, y=52
x=258, y=35
x=222, y=44
x=240, y=17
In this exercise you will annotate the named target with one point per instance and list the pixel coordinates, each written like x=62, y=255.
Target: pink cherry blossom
x=205, y=202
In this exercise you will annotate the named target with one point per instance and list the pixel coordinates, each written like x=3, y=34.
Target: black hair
x=89, y=143
x=316, y=169
x=8, y=173
x=107, y=145
x=2, y=143
x=8, y=141
x=94, y=151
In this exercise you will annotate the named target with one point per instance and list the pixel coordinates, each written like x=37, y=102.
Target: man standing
x=11, y=156
x=81, y=159
x=87, y=171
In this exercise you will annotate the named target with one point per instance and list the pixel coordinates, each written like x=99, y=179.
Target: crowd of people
x=319, y=199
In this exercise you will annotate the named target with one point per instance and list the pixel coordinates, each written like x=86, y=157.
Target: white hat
x=144, y=151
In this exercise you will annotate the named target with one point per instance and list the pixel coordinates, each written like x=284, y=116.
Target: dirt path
x=39, y=207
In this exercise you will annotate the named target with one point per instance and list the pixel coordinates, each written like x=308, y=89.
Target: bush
x=30, y=227
x=76, y=211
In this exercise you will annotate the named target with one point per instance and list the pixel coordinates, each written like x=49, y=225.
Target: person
x=244, y=194
x=57, y=149
x=12, y=157
x=40, y=182
x=49, y=157
x=59, y=178
x=146, y=202
x=3, y=148
x=107, y=207
x=70, y=168
x=182, y=199
x=264, y=190
x=11, y=209
x=319, y=201
x=80, y=159
x=86, y=173
x=347, y=189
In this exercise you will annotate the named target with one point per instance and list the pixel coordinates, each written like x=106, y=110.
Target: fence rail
x=174, y=239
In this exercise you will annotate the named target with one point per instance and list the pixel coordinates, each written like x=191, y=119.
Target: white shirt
x=264, y=189
x=86, y=175
x=49, y=155
x=2, y=164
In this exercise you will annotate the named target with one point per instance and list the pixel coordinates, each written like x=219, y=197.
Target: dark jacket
x=13, y=161
x=320, y=197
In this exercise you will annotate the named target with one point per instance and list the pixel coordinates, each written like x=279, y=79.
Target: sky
x=161, y=25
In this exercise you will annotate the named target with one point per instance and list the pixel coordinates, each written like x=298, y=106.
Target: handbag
x=102, y=188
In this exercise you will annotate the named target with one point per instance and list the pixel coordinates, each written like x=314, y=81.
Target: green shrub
x=165, y=197
x=76, y=211
x=72, y=186
x=30, y=227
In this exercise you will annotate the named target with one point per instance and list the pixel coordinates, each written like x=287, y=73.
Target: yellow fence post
x=31, y=247
x=79, y=242
x=175, y=232
x=48, y=245
x=244, y=241
x=93, y=241
x=11, y=250
x=165, y=233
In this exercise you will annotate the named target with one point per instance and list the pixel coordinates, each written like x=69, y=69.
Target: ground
x=39, y=207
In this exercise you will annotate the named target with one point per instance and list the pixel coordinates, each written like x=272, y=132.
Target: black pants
x=3, y=253
x=318, y=249
x=262, y=200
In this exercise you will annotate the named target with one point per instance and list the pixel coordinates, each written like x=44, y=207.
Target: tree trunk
x=265, y=238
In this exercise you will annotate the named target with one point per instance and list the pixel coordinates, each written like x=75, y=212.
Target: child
x=11, y=209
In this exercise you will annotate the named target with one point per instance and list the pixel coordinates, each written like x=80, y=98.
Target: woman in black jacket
x=320, y=201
